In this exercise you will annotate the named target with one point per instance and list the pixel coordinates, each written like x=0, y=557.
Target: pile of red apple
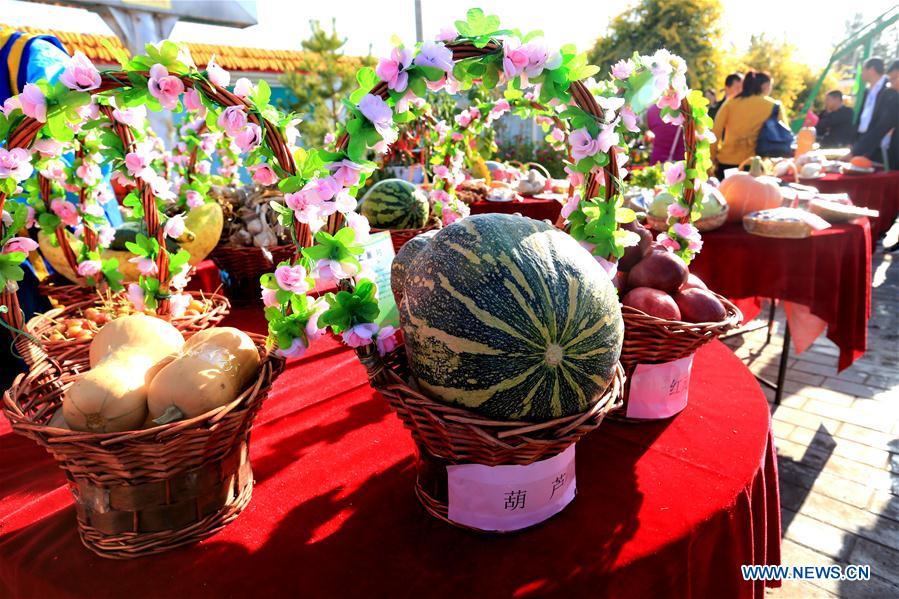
x=654, y=280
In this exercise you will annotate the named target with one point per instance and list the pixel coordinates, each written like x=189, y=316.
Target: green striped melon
x=400, y=265
x=512, y=318
x=395, y=204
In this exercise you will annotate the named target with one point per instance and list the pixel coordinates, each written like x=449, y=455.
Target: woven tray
x=652, y=340
x=40, y=325
x=248, y=262
x=447, y=434
x=144, y=492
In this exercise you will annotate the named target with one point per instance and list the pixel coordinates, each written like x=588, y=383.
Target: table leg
x=782, y=369
x=771, y=312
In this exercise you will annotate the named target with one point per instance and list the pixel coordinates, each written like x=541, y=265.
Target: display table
x=664, y=510
x=829, y=272
x=878, y=191
x=536, y=208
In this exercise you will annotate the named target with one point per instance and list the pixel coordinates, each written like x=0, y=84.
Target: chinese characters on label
x=659, y=390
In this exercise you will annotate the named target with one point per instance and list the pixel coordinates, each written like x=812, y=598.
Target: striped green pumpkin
x=400, y=265
x=512, y=318
x=395, y=204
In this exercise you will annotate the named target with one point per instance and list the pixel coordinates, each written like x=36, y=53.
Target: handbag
x=774, y=138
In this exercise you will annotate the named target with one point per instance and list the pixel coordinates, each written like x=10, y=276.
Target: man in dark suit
x=835, y=127
x=878, y=116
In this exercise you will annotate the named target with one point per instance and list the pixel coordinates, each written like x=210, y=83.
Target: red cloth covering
x=668, y=509
x=206, y=277
x=538, y=209
x=830, y=272
x=877, y=191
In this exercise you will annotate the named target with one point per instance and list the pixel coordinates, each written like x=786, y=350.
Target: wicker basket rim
x=269, y=369
x=734, y=317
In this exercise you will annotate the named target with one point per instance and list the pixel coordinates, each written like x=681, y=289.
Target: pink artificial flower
x=48, y=147
x=669, y=101
x=378, y=112
x=557, y=135
x=204, y=167
x=571, y=205
x=216, y=74
x=677, y=210
x=677, y=119
x=243, y=88
x=174, y=227
x=89, y=173
x=464, y=118
x=80, y=74
x=164, y=87
x=66, y=212
x=321, y=189
x=360, y=334
x=233, y=120
x=359, y=224
x=515, y=57
x=193, y=198
x=136, y=295
x=346, y=172
x=334, y=271
x=89, y=268
x=447, y=34
x=133, y=117
x=540, y=57
x=608, y=137
x=93, y=209
x=54, y=170
x=178, y=303
x=19, y=244
x=329, y=139
x=292, y=278
x=30, y=221
x=296, y=350
x=575, y=178
x=119, y=178
x=268, y=297
x=343, y=203
x=435, y=54
x=192, y=100
x=449, y=215
x=582, y=144
x=33, y=102
x=387, y=341
x=686, y=230
x=622, y=69
x=674, y=173
x=138, y=165
x=106, y=235
x=305, y=208
x=249, y=138
x=669, y=243
x=393, y=70
x=146, y=266
x=263, y=174
x=501, y=107
x=629, y=119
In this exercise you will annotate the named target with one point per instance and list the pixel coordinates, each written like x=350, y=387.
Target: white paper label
x=659, y=390
x=506, y=498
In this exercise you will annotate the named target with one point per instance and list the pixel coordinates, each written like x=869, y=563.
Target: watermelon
x=511, y=318
x=395, y=204
x=400, y=265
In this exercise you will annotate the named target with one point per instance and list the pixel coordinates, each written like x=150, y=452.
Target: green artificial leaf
x=477, y=24
x=111, y=273
x=10, y=269
x=263, y=94
x=19, y=214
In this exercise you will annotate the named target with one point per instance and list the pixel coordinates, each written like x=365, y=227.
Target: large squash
x=395, y=204
x=512, y=318
x=400, y=265
x=749, y=192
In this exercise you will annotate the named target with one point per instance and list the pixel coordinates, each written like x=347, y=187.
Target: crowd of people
x=749, y=122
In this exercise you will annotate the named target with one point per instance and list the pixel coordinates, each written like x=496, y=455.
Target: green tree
x=689, y=28
x=325, y=78
x=886, y=45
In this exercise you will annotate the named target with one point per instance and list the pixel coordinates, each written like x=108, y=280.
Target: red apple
x=620, y=282
x=693, y=282
x=634, y=253
x=664, y=271
x=653, y=302
x=700, y=305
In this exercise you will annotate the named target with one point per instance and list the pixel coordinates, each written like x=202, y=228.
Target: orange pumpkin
x=748, y=192
x=861, y=162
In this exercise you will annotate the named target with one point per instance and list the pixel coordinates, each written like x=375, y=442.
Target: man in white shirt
x=877, y=119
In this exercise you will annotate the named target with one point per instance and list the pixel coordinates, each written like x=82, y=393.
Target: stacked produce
x=250, y=220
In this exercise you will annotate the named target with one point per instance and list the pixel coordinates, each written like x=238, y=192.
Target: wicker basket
x=40, y=325
x=249, y=262
x=148, y=491
x=63, y=293
x=652, y=340
x=447, y=435
x=704, y=225
x=399, y=237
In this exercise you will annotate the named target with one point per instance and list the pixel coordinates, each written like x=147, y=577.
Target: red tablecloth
x=663, y=510
x=878, y=191
x=538, y=209
x=830, y=272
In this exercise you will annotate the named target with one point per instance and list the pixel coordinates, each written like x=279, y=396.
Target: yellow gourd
x=112, y=395
x=212, y=370
x=750, y=192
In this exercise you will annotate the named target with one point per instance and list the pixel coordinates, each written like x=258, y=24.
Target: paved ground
x=837, y=438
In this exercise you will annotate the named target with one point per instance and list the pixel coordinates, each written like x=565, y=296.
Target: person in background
x=668, y=139
x=740, y=119
x=733, y=85
x=893, y=153
x=835, y=126
x=877, y=118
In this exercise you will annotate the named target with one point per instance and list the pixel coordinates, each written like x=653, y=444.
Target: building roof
x=232, y=58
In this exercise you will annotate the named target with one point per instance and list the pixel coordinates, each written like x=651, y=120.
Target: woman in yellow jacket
x=740, y=119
